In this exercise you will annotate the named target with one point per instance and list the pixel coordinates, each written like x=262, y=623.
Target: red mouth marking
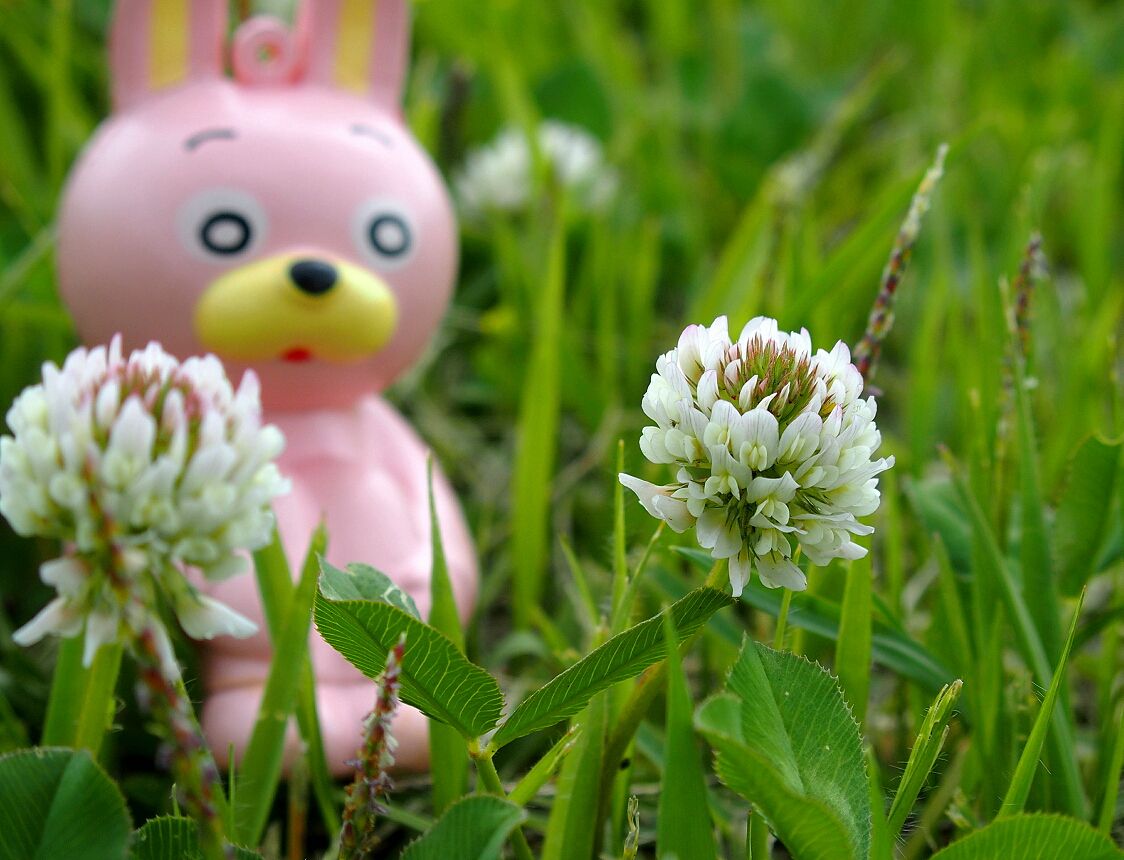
x=297, y=354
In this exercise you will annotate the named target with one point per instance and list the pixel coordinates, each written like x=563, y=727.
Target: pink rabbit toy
x=286, y=220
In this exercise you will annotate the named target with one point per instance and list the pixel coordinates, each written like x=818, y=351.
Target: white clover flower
x=498, y=177
x=143, y=467
x=773, y=444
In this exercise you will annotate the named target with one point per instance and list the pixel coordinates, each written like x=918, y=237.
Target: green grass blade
x=683, y=825
x=620, y=549
x=936, y=504
x=260, y=771
x=1083, y=511
x=881, y=842
x=583, y=601
x=923, y=756
x=954, y=615
x=443, y=607
x=1019, y=788
x=308, y=721
x=437, y=678
x=526, y=789
x=853, y=647
x=739, y=259
x=275, y=587
x=622, y=657
x=1107, y=815
x=537, y=435
x=15, y=273
x=13, y=730
x=570, y=830
x=448, y=758
x=1035, y=554
x=854, y=263
x=994, y=568
x=275, y=582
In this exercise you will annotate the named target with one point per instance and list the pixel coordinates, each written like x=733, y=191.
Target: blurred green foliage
x=767, y=153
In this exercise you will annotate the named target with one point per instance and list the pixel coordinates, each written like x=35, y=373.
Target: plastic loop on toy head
x=264, y=53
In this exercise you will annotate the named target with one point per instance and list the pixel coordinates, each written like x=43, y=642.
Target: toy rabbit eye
x=384, y=233
x=226, y=232
x=389, y=235
x=220, y=224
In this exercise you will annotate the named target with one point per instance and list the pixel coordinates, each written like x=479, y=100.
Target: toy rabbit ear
x=156, y=44
x=358, y=45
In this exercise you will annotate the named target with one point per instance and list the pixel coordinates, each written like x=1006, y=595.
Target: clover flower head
x=143, y=466
x=498, y=176
x=772, y=444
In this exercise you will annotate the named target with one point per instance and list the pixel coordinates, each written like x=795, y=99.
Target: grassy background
x=767, y=153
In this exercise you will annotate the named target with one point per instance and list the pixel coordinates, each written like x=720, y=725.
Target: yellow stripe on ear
x=169, y=37
x=355, y=35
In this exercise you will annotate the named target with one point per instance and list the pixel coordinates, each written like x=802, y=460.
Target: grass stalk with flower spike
x=372, y=782
x=882, y=313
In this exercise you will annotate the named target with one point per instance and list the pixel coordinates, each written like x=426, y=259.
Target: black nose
x=313, y=276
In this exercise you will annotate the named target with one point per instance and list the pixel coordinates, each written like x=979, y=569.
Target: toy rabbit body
x=286, y=221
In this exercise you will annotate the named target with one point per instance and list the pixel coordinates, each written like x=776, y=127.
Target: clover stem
x=628, y=720
x=782, y=616
x=757, y=841
x=490, y=781
x=80, y=707
x=782, y=620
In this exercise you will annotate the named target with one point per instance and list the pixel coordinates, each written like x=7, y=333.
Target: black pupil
x=389, y=235
x=225, y=233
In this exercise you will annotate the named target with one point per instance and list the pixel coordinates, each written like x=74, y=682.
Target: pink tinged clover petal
x=745, y=395
x=707, y=393
x=719, y=535
x=741, y=566
x=727, y=474
x=800, y=439
x=169, y=666
x=754, y=439
x=58, y=618
x=674, y=512
x=653, y=444
x=230, y=566
x=203, y=617
x=134, y=431
x=67, y=575
x=658, y=502
x=722, y=418
x=782, y=489
x=106, y=404
x=776, y=571
x=101, y=629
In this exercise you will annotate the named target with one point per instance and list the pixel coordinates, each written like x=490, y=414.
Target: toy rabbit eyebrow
x=200, y=137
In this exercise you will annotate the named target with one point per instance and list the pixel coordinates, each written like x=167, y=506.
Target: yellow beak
x=272, y=308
